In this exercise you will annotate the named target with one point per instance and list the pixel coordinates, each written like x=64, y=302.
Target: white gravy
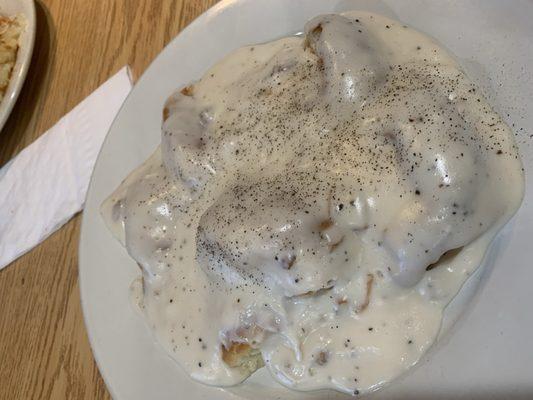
x=301, y=190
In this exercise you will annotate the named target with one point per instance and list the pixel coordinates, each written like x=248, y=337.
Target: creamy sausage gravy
x=315, y=204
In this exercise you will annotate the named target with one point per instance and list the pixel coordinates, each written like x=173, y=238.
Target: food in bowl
x=315, y=204
x=10, y=30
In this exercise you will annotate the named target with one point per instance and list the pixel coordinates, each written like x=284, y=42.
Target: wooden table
x=44, y=351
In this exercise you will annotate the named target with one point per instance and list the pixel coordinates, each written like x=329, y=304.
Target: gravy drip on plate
x=317, y=200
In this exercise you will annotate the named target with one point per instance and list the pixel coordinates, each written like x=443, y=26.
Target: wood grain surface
x=44, y=351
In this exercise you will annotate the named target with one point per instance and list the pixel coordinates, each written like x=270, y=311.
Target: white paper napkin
x=46, y=183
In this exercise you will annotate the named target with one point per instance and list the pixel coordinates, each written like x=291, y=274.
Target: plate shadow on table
x=30, y=102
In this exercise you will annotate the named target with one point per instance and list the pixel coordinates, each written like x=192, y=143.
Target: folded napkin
x=46, y=183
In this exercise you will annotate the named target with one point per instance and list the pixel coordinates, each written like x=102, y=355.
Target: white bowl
x=27, y=9
x=487, y=355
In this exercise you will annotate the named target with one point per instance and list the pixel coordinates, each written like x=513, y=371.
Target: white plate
x=27, y=9
x=489, y=354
